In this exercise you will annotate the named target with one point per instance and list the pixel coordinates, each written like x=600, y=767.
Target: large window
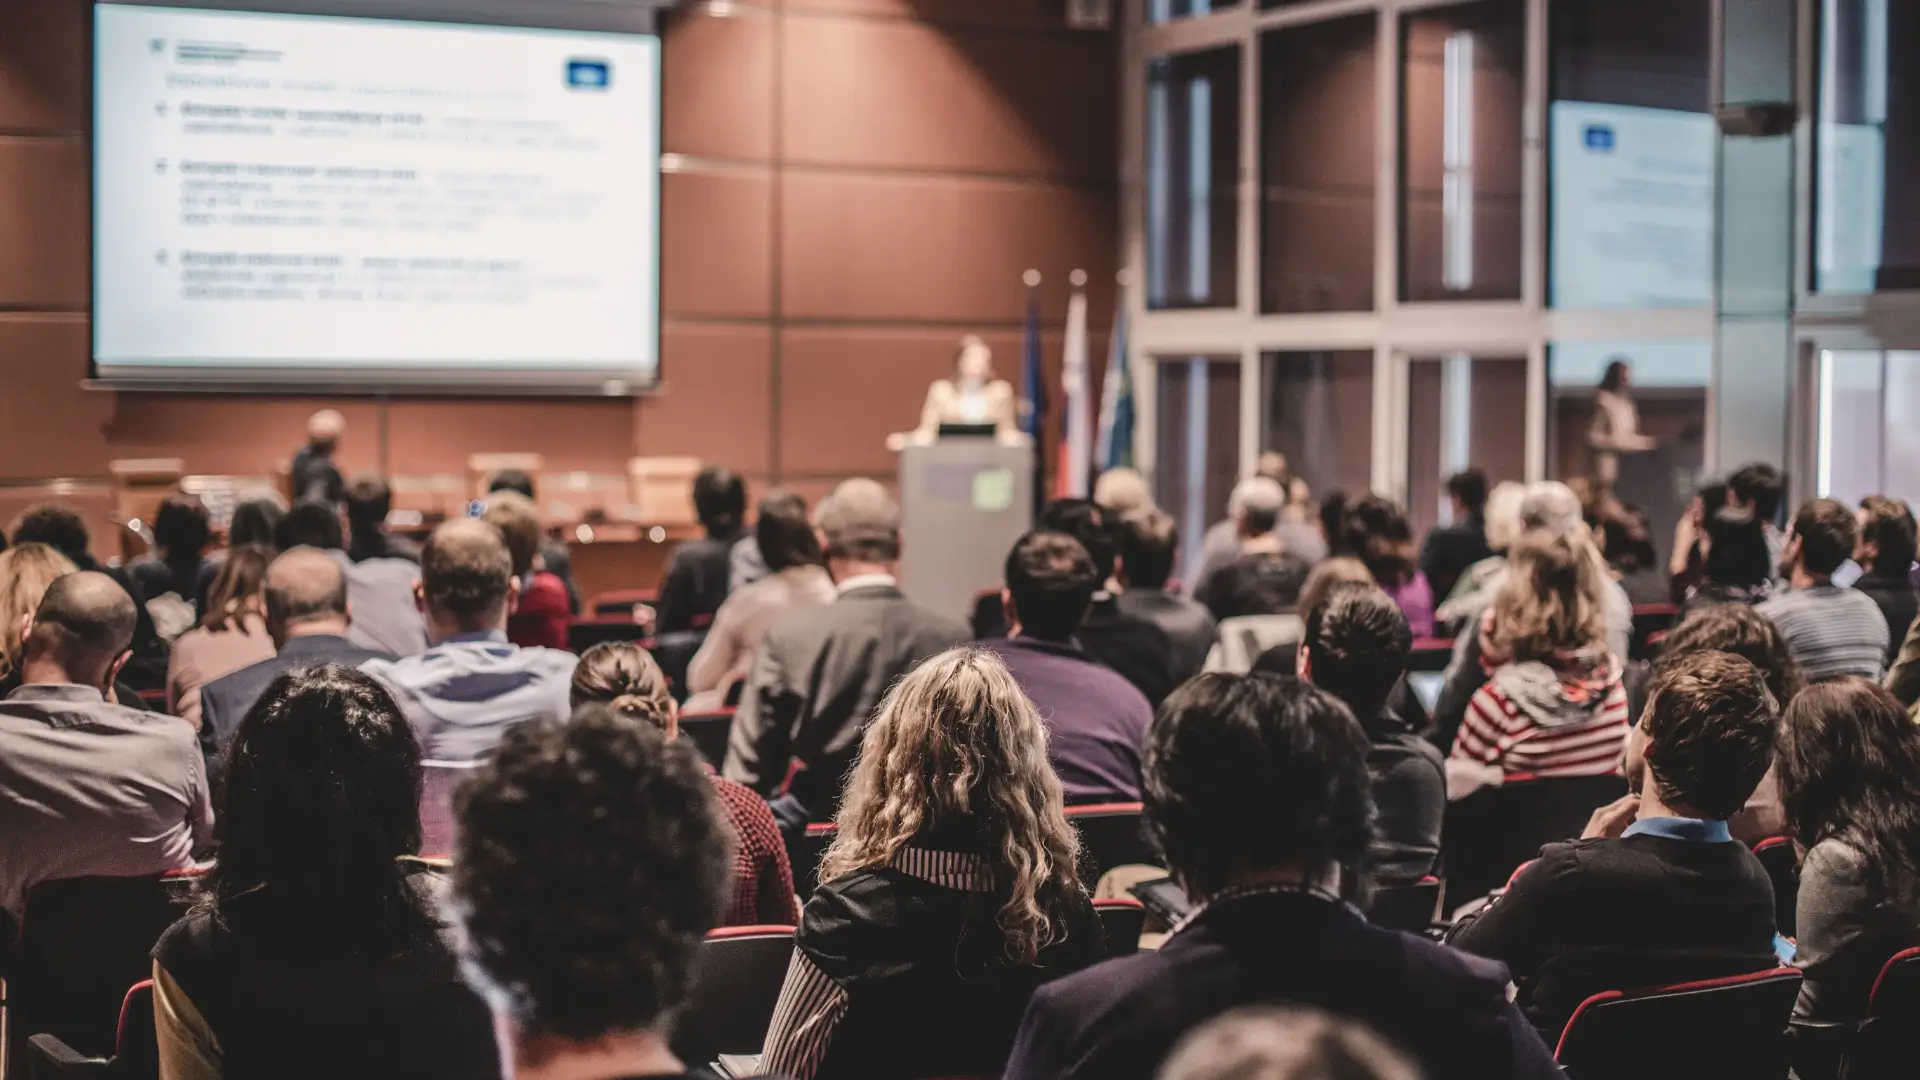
x=1630, y=146
x=1461, y=135
x=1867, y=148
x=1318, y=102
x=1159, y=11
x=1315, y=408
x=1193, y=168
x=1869, y=425
x=1199, y=445
x=1460, y=411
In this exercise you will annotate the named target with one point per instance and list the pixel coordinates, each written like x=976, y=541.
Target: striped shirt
x=1831, y=631
x=1497, y=731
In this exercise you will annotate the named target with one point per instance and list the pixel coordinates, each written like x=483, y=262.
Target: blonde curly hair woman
x=948, y=895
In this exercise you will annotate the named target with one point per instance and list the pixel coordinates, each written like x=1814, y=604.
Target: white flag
x=1078, y=463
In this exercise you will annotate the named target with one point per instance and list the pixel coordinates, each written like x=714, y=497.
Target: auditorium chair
x=82, y=942
x=621, y=601
x=1782, y=864
x=736, y=985
x=1122, y=921
x=708, y=732
x=1430, y=655
x=1887, y=1046
x=805, y=852
x=586, y=631
x=1409, y=907
x=1649, y=620
x=437, y=781
x=136, y=1047
x=1714, y=1029
x=1111, y=834
x=1493, y=830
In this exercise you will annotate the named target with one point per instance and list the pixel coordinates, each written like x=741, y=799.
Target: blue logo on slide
x=589, y=74
x=1600, y=138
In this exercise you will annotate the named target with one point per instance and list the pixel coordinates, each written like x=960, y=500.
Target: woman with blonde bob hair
x=26, y=571
x=948, y=895
x=1554, y=703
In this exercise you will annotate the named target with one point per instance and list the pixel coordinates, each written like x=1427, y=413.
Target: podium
x=963, y=502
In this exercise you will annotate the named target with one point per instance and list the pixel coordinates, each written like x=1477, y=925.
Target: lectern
x=963, y=502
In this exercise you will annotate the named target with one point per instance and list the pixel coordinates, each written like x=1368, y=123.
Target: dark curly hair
x=1849, y=764
x=320, y=794
x=591, y=860
x=1249, y=772
x=1357, y=642
x=56, y=525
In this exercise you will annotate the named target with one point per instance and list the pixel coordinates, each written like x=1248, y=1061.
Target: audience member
x=312, y=474
x=380, y=591
x=1735, y=567
x=1328, y=576
x=1548, y=697
x=1139, y=650
x=25, y=572
x=554, y=552
x=695, y=583
x=585, y=948
x=1121, y=491
x=256, y=520
x=624, y=677
x=1477, y=584
x=472, y=685
x=1832, y=631
x=61, y=528
x=1885, y=552
x=369, y=502
x=1376, y=532
x=1149, y=543
x=1737, y=629
x=1626, y=537
x=232, y=634
x=90, y=788
x=317, y=949
x=181, y=531
x=948, y=894
x=796, y=580
x=1761, y=490
x=1261, y=578
x=820, y=673
x=1257, y=793
x=1454, y=547
x=1275, y=1042
x=1656, y=891
x=1850, y=781
x=1299, y=534
x=540, y=614
x=1095, y=720
x=308, y=618
x=1356, y=649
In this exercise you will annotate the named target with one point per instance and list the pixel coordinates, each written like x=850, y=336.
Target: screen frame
x=625, y=17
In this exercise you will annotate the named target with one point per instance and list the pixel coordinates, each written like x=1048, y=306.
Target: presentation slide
x=371, y=201
x=1632, y=222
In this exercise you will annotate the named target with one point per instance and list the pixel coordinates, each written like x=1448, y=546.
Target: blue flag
x=1114, y=448
x=1033, y=403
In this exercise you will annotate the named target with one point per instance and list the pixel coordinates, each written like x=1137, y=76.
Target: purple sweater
x=1096, y=720
x=1415, y=598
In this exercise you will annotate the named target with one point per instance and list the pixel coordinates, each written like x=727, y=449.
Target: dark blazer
x=695, y=583
x=1186, y=622
x=1118, y=1020
x=1640, y=911
x=1898, y=601
x=1449, y=550
x=224, y=701
x=1140, y=651
x=816, y=679
x=1409, y=798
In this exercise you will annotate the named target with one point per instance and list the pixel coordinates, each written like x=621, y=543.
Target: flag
x=1033, y=403
x=1113, y=448
x=1076, y=436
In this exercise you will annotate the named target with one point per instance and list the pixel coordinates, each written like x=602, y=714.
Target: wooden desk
x=617, y=555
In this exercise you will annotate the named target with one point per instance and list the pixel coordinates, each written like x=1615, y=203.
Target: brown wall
x=859, y=183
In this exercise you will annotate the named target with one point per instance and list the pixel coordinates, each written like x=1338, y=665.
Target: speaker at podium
x=964, y=499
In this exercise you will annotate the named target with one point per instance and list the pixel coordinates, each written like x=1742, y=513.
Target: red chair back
x=1111, y=834
x=1782, y=864
x=1122, y=921
x=1430, y=655
x=437, y=781
x=736, y=986
x=1888, y=1042
x=1405, y=907
x=586, y=631
x=709, y=732
x=1716, y=1029
x=621, y=601
x=83, y=941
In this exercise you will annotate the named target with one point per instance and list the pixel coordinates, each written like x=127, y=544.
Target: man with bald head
x=89, y=787
x=315, y=479
x=472, y=684
x=308, y=616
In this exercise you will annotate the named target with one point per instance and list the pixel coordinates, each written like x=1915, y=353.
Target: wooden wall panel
x=716, y=402
x=44, y=226
x=717, y=87
x=717, y=244
x=43, y=65
x=49, y=426
x=1050, y=15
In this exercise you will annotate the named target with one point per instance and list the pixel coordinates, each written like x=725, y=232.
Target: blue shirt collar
x=1678, y=828
x=477, y=636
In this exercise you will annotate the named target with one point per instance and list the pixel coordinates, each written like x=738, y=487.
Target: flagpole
x=1076, y=450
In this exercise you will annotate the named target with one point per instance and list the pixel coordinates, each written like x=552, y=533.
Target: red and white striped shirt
x=1497, y=731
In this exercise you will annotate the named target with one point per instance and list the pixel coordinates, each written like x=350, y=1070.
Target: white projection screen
x=456, y=197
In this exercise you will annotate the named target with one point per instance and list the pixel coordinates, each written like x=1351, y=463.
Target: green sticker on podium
x=993, y=490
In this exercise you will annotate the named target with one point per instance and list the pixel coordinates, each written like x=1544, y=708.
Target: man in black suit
x=1257, y=788
x=308, y=617
x=1657, y=891
x=819, y=673
x=1149, y=539
x=1451, y=549
x=1129, y=644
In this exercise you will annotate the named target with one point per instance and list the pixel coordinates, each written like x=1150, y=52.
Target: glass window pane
x=1464, y=93
x=1667, y=383
x=1193, y=168
x=1199, y=444
x=1866, y=208
x=1631, y=154
x=1318, y=95
x=1159, y=11
x=1317, y=408
x=1869, y=437
x=1462, y=410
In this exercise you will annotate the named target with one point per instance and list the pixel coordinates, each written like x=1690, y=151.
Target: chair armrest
x=50, y=1059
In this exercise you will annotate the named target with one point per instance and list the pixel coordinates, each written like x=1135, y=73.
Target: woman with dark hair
x=696, y=580
x=1376, y=532
x=316, y=949
x=1885, y=552
x=1735, y=567
x=948, y=895
x=1849, y=761
x=797, y=578
x=624, y=677
x=255, y=520
x=181, y=531
x=232, y=633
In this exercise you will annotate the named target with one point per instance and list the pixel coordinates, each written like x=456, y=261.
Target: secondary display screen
x=286, y=199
